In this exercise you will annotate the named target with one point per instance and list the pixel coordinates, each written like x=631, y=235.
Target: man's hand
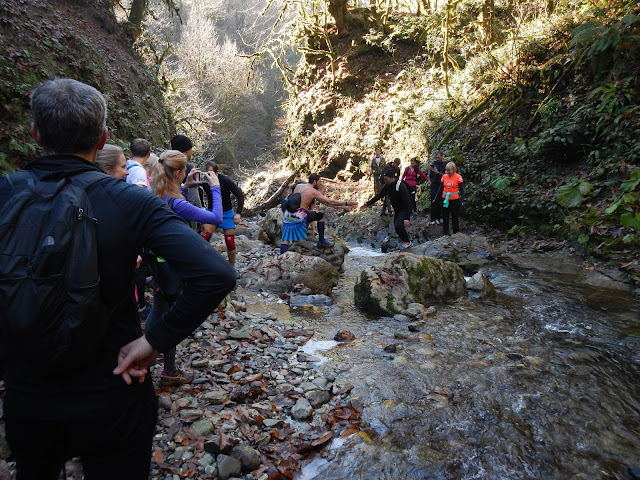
x=236, y=218
x=362, y=207
x=134, y=359
x=407, y=224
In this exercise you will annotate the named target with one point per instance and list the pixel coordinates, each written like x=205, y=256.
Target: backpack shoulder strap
x=20, y=175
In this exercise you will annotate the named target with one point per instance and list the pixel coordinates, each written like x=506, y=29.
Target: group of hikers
x=398, y=193
x=74, y=357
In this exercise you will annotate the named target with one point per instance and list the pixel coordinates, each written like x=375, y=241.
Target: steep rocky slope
x=544, y=129
x=43, y=39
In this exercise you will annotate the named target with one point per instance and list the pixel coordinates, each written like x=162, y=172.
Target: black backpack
x=51, y=314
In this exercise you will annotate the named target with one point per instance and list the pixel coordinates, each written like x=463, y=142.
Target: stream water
x=540, y=382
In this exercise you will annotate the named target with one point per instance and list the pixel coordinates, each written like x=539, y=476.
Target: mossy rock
x=405, y=279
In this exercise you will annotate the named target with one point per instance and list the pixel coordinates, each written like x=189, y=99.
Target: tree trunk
x=136, y=16
x=551, y=6
x=487, y=21
x=445, y=61
x=274, y=200
x=338, y=10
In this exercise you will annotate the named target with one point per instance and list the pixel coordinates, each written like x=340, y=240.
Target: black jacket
x=129, y=218
x=228, y=187
x=399, y=197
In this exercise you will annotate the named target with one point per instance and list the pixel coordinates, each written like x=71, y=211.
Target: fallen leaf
x=158, y=455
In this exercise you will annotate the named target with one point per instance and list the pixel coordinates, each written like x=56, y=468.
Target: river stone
x=479, y=283
x=405, y=278
x=249, y=457
x=203, y=427
x=212, y=447
x=317, y=398
x=469, y=252
x=228, y=466
x=240, y=334
x=191, y=413
x=414, y=309
x=334, y=254
x=344, y=336
x=302, y=410
x=270, y=230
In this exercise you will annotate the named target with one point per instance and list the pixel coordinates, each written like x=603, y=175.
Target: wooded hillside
x=43, y=39
x=541, y=115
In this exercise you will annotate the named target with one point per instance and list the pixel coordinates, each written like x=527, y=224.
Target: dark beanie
x=181, y=143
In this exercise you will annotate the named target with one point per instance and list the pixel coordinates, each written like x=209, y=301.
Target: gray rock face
x=405, y=279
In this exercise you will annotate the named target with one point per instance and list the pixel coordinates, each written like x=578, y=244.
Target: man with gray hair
x=102, y=410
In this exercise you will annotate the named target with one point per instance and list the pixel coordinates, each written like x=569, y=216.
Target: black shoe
x=324, y=244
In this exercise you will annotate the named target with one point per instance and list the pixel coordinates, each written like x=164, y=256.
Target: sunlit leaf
x=365, y=437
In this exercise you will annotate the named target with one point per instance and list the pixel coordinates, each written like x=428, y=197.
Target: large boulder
x=334, y=254
x=271, y=227
x=280, y=273
x=470, y=252
x=271, y=233
x=405, y=279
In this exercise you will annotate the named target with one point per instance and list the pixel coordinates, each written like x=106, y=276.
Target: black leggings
x=454, y=210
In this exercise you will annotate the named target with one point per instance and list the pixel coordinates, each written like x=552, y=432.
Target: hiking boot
x=324, y=244
x=175, y=379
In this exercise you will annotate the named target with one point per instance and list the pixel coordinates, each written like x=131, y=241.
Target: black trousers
x=454, y=210
x=436, y=208
x=398, y=223
x=117, y=446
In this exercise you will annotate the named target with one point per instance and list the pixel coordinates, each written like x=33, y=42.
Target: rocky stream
x=532, y=371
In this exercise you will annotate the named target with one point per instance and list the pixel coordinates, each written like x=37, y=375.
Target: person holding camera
x=166, y=183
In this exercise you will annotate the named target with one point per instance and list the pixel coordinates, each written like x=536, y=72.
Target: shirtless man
x=298, y=213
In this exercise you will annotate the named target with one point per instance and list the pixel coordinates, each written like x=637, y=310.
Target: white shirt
x=137, y=174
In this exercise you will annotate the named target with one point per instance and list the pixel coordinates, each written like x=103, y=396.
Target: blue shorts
x=227, y=220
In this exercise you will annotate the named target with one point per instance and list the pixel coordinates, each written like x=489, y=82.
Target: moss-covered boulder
x=405, y=279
